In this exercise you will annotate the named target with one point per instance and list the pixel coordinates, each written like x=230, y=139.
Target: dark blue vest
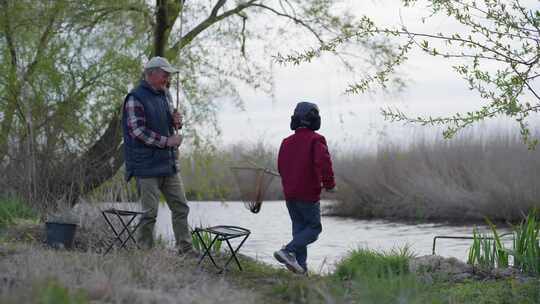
x=143, y=160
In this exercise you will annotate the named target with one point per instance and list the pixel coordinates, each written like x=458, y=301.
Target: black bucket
x=60, y=235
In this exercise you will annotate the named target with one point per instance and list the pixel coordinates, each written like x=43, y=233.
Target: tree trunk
x=98, y=164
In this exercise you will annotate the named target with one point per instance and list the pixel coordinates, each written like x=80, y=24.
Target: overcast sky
x=353, y=121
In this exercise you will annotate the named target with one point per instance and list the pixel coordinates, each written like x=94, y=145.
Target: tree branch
x=208, y=22
x=12, y=87
x=16, y=86
x=42, y=45
x=217, y=7
x=293, y=18
x=6, y=24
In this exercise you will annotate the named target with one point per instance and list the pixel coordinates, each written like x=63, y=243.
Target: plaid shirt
x=136, y=123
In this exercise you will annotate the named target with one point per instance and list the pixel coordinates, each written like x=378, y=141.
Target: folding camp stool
x=128, y=225
x=222, y=233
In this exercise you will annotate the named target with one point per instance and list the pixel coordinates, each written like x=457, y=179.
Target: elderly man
x=150, y=148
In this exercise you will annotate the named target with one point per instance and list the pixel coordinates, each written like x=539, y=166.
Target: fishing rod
x=177, y=107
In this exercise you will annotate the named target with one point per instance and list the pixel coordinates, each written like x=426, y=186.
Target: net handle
x=258, y=187
x=266, y=170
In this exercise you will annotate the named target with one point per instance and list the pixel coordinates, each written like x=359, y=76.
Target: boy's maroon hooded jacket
x=304, y=165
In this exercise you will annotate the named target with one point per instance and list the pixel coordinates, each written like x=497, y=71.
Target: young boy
x=305, y=167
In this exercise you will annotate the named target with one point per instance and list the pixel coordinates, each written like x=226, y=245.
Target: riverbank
x=31, y=273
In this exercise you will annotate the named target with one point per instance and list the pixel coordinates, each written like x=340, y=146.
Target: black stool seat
x=127, y=226
x=227, y=231
x=124, y=212
x=222, y=233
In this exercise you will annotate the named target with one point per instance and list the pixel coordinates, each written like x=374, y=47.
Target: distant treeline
x=465, y=179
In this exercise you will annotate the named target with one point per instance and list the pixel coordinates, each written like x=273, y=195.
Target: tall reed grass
x=465, y=179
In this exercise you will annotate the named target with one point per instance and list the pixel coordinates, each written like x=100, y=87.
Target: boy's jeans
x=306, y=227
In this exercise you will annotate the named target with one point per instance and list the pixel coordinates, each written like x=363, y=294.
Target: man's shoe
x=289, y=259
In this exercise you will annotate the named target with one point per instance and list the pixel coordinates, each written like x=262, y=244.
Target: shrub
x=12, y=209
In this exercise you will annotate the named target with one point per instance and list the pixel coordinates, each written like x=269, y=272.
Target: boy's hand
x=331, y=190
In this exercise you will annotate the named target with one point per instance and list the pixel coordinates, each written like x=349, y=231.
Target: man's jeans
x=173, y=191
x=306, y=227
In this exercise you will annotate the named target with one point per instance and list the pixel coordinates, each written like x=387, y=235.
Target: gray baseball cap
x=162, y=63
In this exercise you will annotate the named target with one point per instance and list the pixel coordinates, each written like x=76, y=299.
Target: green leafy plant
x=526, y=246
x=490, y=252
x=482, y=251
x=501, y=254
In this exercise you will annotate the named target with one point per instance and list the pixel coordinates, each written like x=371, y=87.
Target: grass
x=159, y=275
x=155, y=276
x=367, y=276
x=381, y=276
x=12, y=209
x=52, y=292
x=504, y=291
x=378, y=264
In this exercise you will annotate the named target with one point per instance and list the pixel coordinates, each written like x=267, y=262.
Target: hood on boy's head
x=306, y=114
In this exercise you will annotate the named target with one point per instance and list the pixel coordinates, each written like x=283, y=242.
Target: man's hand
x=177, y=120
x=174, y=141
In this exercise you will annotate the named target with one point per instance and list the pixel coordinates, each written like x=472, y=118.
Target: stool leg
x=234, y=252
x=134, y=230
x=117, y=236
x=128, y=231
x=207, y=249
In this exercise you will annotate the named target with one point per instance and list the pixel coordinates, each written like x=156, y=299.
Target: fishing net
x=252, y=184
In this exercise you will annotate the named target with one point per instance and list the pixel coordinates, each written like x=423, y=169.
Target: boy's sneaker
x=289, y=259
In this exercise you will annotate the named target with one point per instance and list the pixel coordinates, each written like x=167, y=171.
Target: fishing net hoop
x=252, y=183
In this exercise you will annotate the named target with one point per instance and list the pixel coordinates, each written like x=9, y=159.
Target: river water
x=271, y=228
